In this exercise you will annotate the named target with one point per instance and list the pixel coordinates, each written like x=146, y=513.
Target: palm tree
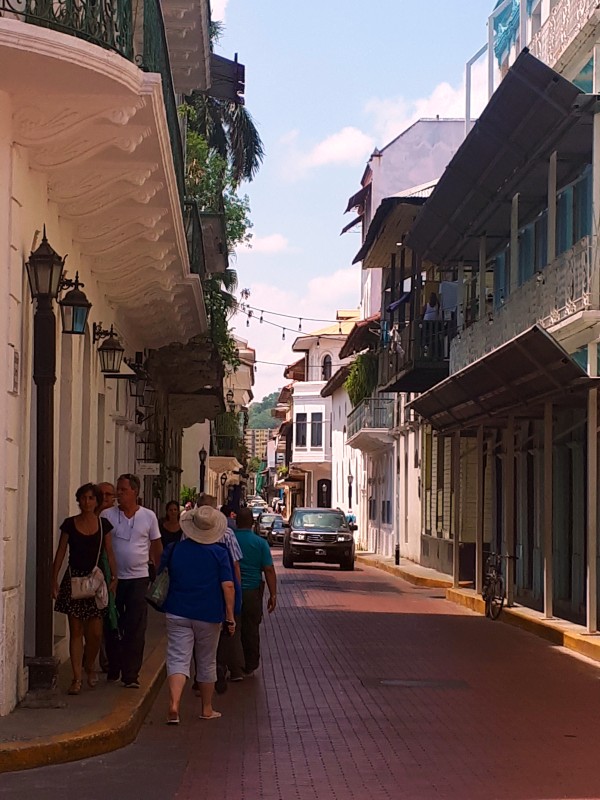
x=228, y=127
x=230, y=130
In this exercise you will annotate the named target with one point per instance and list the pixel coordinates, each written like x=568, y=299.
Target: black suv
x=318, y=534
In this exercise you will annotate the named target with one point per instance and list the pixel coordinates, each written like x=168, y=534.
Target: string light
x=283, y=334
x=300, y=324
x=262, y=311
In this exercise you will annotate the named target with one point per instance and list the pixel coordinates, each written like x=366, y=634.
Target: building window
x=316, y=430
x=326, y=368
x=300, y=430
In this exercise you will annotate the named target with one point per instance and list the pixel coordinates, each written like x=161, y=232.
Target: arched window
x=326, y=368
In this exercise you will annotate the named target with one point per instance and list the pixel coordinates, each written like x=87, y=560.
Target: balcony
x=570, y=30
x=227, y=446
x=559, y=298
x=418, y=359
x=368, y=426
x=93, y=108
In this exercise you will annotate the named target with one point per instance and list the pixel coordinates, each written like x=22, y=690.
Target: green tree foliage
x=254, y=464
x=362, y=380
x=260, y=413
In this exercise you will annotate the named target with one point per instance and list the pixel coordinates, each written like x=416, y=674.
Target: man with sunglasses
x=137, y=539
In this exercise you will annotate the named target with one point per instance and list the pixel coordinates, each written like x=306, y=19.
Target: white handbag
x=86, y=586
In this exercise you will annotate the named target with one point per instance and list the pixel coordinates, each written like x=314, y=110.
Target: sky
x=327, y=81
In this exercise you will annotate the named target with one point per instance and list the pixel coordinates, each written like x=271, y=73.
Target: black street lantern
x=74, y=307
x=44, y=271
x=138, y=385
x=350, y=482
x=202, y=456
x=230, y=400
x=110, y=351
x=149, y=400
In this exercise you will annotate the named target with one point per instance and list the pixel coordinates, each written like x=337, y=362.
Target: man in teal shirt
x=256, y=561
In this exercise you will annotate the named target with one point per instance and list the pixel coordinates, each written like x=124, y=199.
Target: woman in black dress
x=85, y=535
x=170, y=529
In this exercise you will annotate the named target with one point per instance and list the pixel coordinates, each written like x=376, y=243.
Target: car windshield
x=321, y=520
x=267, y=519
x=277, y=522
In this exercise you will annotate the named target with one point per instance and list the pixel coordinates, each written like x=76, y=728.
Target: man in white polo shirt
x=136, y=540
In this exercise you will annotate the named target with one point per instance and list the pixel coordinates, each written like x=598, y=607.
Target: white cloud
x=392, y=115
x=347, y=146
x=321, y=297
x=387, y=118
x=217, y=9
x=273, y=243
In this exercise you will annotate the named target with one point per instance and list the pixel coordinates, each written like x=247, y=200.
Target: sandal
x=75, y=687
x=92, y=679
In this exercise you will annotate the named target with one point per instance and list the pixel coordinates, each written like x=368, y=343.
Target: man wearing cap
x=256, y=562
x=199, y=602
x=136, y=539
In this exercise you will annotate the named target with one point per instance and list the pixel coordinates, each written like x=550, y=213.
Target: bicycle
x=494, y=591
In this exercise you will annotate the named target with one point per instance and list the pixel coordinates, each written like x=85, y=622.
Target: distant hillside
x=259, y=414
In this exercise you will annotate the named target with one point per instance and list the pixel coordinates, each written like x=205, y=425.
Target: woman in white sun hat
x=200, y=600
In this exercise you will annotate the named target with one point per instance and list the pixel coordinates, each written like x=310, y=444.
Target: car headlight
x=298, y=536
x=344, y=537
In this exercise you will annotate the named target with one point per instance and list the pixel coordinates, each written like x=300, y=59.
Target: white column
x=481, y=276
x=592, y=499
x=479, y=511
x=551, y=254
x=509, y=510
x=548, y=513
x=523, y=24
x=514, y=244
x=490, y=55
x=456, y=494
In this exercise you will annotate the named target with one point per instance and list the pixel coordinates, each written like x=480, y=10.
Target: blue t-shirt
x=196, y=572
x=256, y=555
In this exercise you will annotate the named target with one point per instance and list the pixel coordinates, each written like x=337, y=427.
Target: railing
x=565, y=22
x=420, y=342
x=374, y=413
x=155, y=58
x=554, y=294
x=193, y=233
x=228, y=446
x=107, y=23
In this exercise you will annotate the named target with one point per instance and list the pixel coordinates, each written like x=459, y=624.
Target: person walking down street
x=136, y=538
x=256, y=562
x=230, y=516
x=86, y=536
x=431, y=309
x=170, y=529
x=199, y=603
x=230, y=655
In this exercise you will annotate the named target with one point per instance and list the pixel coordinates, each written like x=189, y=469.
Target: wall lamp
x=110, y=351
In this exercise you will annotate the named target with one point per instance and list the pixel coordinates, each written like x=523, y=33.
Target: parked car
x=278, y=529
x=319, y=534
x=263, y=524
x=257, y=510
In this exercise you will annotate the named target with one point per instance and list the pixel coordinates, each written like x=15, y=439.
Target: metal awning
x=393, y=218
x=350, y=225
x=516, y=378
x=534, y=112
x=358, y=199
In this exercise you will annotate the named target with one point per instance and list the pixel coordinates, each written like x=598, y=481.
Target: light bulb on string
x=261, y=317
x=283, y=334
x=300, y=324
x=318, y=341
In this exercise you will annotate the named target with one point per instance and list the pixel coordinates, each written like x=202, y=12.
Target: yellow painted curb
x=553, y=630
x=117, y=729
x=406, y=575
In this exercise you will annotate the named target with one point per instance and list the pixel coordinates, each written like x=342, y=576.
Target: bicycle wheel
x=496, y=597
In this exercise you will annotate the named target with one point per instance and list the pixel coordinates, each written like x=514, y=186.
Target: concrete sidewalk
x=558, y=631
x=96, y=721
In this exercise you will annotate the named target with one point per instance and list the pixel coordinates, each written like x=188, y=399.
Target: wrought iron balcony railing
x=374, y=413
x=419, y=356
x=107, y=24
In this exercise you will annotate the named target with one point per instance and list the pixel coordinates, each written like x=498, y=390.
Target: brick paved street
x=372, y=689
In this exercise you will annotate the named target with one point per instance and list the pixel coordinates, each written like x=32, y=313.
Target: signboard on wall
x=147, y=468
